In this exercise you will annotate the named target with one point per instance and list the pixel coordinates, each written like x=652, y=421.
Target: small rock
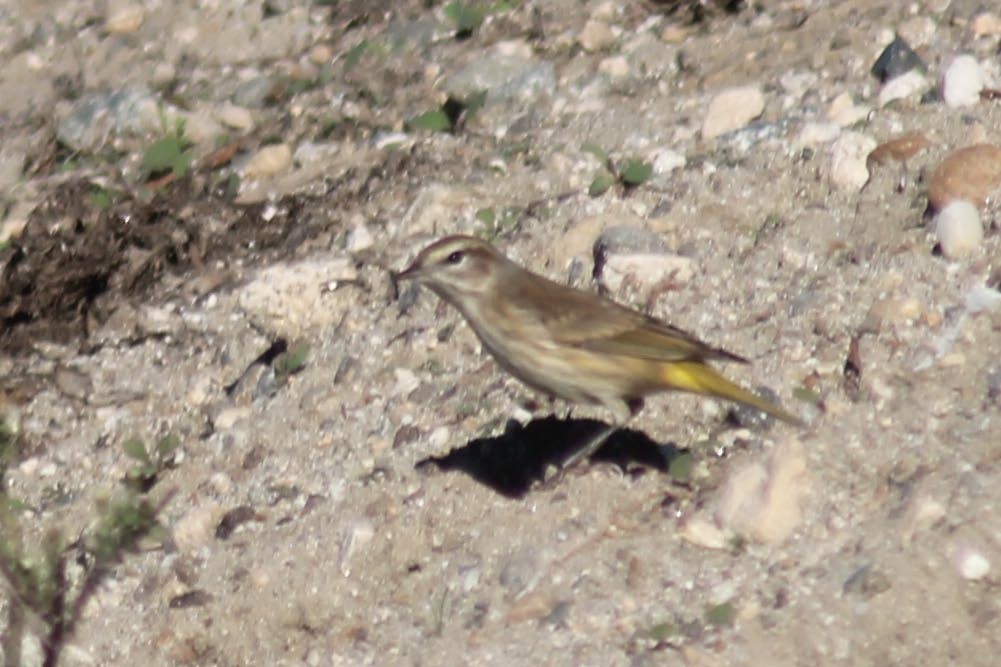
x=406, y=381
x=509, y=71
x=645, y=270
x=123, y=18
x=762, y=500
x=971, y=563
x=985, y=24
x=896, y=59
x=295, y=298
x=910, y=84
x=845, y=112
x=268, y=161
x=614, y=67
x=962, y=82
x=16, y=220
x=891, y=311
x=814, y=134
x=236, y=117
x=900, y=149
x=355, y=535
x=359, y=239
x=732, y=109
x=596, y=36
x=321, y=54
x=918, y=30
x=666, y=161
x=971, y=173
x=626, y=239
x=958, y=229
x=702, y=533
x=197, y=526
x=228, y=417
x=848, y=160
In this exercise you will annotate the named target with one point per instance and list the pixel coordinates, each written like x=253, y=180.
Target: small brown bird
x=572, y=344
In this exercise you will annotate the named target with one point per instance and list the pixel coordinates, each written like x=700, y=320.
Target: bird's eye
x=455, y=257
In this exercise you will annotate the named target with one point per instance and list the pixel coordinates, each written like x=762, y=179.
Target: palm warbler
x=568, y=343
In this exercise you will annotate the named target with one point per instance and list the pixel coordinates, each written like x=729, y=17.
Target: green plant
x=450, y=116
x=150, y=462
x=498, y=224
x=629, y=174
x=170, y=153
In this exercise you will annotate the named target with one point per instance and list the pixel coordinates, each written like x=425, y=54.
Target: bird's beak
x=412, y=272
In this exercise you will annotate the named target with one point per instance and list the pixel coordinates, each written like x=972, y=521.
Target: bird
x=573, y=344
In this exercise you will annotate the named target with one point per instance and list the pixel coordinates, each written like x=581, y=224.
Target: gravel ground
x=378, y=505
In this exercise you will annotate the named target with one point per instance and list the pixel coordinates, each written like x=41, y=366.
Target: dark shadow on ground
x=511, y=462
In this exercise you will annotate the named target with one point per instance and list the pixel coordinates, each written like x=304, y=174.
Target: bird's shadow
x=511, y=462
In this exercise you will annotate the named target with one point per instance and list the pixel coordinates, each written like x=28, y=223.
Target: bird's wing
x=593, y=322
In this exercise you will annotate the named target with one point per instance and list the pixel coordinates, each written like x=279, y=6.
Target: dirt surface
x=382, y=504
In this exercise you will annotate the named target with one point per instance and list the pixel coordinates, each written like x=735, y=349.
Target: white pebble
x=731, y=110
x=406, y=381
x=900, y=87
x=962, y=82
x=848, y=160
x=972, y=564
x=958, y=229
x=269, y=161
x=667, y=161
x=359, y=239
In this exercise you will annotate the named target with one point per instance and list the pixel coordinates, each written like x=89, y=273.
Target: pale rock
x=297, y=298
x=439, y=437
x=355, y=535
x=197, y=527
x=761, y=500
x=666, y=161
x=201, y=128
x=439, y=206
x=958, y=229
x=814, y=133
x=971, y=563
x=645, y=270
x=16, y=220
x=123, y=17
x=269, y=161
x=985, y=24
x=732, y=109
x=917, y=30
x=843, y=111
x=321, y=54
x=236, y=117
x=228, y=417
x=596, y=36
x=702, y=533
x=910, y=84
x=359, y=239
x=614, y=67
x=962, y=82
x=848, y=160
x=406, y=381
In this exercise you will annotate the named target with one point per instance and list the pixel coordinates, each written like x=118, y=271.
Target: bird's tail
x=697, y=377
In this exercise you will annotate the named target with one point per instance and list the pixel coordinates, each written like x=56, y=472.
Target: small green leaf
x=354, y=54
x=486, y=216
x=166, y=446
x=466, y=18
x=100, y=199
x=435, y=120
x=636, y=172
x=137, y=450
x=721, y=615
x=662, y=631
x=681, y=467
x=806, y=395
x=601, y=183
x=474, y=103
x=292, y=361
x=162, y=155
